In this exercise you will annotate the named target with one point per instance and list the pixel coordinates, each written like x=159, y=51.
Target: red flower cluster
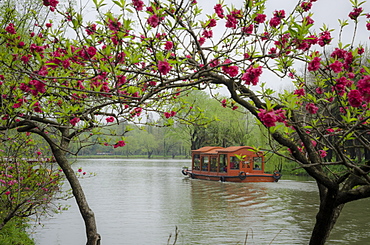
x=270, y=118
x=168, y=45
x=355, y=98
x=120, y=143
x=306, y=6
x=248, y=29
x=34, y=87
x=300, y=92
x=232, y=71
x=260, y=18
x=363, y=86
x=219, y=11
x=355, y=13
x=278, y=16
x=336, y=67
x=341, y=84
x=110, y=119
x=312, y=108
x=138, y=4
x=91, y=29
x=211, y=23
x=164, y=67
x=169, y=114
x=10, y=29
x=232, y=18
x=153, y=21
x=251, y=75
x=74, y=121
x=52, y=3
x=325, y=38
x=314, y=65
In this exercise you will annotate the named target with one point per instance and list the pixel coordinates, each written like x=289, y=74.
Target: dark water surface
x=139, y=202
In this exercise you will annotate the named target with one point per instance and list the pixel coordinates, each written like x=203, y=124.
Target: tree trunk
x=326, y=218
x=93, y=238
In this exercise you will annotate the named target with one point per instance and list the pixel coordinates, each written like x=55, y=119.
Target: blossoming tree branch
x=66, y=78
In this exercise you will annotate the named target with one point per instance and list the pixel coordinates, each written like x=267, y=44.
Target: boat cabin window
x=257, y=163
x=196, y=161
x=204, y=163
x=213, y=164
x=223, y=163
x=234, y=162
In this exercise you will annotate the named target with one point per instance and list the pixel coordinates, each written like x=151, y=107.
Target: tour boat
x=234, y=164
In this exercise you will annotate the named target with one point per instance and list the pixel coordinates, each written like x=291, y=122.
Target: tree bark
x=93, y=238
x=326, y=217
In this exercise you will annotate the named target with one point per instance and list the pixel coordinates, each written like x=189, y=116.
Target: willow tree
x=68, y=78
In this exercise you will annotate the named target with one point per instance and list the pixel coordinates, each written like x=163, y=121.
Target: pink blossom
x=270, y=118
x=207, y=33
x=274, y=22
x=219, y=11
x=312, y=108
x=120, y=143
x=7, y=193
x=10, y=29
x=251, y=75
x=211, y=23
x=341, y=84
x=300, y=92
x=79, y=170
x=279, y=14
x=336, y=67
x=169, y=114
x=368, y=26
x=74, y=121
x=224, y=103
x=314, y=65
x=325, y=38
x=52, y=3
x=360, y=50
x=248, y=29
x=214, y=63
x=91, y=29
x=232, y=71
x=231, y=21
x=319, y=90
x=138, y=4
x=306, y=6
x=114, y=25
x=110, y=119
x=153, y=21
x=260, y=18
x=91, y=51
x=355, y=13
x=164, y=67
x=265, y=36
x=339, y=53
x=355, y=98
x=343, y=110
x=308, y=20
x=322, y=153
x=201, y=41
x=168, y=45
x=363, y=86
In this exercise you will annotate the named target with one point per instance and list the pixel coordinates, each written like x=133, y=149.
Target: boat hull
x=241, y=177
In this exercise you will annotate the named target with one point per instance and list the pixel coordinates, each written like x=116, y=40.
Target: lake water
x=142, y=201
